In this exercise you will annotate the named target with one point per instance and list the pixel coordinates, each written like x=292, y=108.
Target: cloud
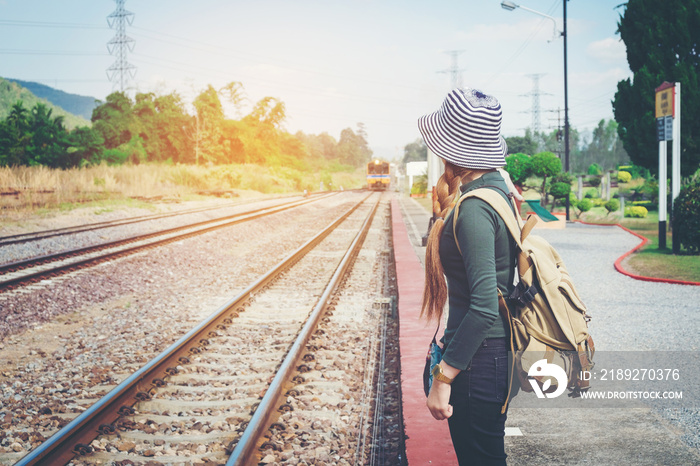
x=608, y=50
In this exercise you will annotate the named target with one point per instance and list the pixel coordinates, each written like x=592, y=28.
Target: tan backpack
x=548, y=320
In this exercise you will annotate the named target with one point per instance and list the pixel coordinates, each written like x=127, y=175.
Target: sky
x=334, y=63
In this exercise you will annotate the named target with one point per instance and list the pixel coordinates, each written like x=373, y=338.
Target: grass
x=40, y=189
x=662, y=263
x=651, y=261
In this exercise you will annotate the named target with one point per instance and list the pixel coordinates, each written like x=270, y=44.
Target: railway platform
x=571, y=436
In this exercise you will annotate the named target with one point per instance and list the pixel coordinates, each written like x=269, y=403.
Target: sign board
x=664, y=128
x=665, y=100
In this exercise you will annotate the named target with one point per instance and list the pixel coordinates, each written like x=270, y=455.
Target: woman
x=470, y=384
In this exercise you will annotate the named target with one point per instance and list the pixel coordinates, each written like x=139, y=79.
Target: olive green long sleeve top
x=486, y=263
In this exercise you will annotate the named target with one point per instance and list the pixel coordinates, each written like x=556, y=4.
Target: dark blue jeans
x=478, y=393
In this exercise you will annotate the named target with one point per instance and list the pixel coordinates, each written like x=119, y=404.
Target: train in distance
x=378, y=176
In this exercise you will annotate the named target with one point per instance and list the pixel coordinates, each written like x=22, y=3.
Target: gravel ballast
x=88, y=330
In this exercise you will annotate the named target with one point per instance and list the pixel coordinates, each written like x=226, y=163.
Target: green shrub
x=635, y=171
x=650, y=189
x=595, y=181
x=563, y=177
x=598, y=202
x=613, y=205
x=686, y=217
x=591, y=193
x=624, y=177
x=560, y=190
x=114, y=156
x=420, y=186
x=649, y=205
x=595, y=169
x=584, y=205
x=636, y=211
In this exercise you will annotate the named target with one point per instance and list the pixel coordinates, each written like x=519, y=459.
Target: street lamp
x=510, y=6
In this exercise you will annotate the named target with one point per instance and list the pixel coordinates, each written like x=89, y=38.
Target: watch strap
x=439, y=375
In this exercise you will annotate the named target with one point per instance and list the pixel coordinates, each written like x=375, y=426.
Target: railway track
x=45, y=234
x=31, y=270
x=207, y=398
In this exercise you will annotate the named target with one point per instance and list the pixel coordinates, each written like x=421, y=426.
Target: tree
x=559, y=190
x=543, y=165
x=518, y=167
x=661, y=40
x=415, y=151
x=353, y=149
x=262, y=136
x=522, y=144
x=113, y=119
x=49, y=138
x=604, y=149
x=86, y=146
x=208, y=120
x=161, y=121
x=319, y=146
x=15, y=136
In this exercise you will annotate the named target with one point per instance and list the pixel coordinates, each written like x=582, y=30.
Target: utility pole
x=121, y=70
x=455, y=71
x=535, y=105
x=566, y=110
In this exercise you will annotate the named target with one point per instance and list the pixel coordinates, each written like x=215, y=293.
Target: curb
x=618, y=262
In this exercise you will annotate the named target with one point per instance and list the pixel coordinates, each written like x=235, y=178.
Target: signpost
x=668, y=124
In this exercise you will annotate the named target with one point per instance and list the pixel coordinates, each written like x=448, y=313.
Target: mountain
x=73, y=103
x=12, y=90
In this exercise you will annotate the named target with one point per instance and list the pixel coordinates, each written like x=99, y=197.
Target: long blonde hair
x=446, y=192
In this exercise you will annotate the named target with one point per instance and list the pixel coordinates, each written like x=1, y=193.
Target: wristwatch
x=439, y=376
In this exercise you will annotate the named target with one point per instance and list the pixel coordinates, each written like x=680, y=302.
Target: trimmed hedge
x=624, y=177
x=686, y=217
x=584, y=205
x=636, y=212
x=613, y=205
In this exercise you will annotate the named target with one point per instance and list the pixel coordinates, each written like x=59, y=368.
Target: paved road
x=628, y=315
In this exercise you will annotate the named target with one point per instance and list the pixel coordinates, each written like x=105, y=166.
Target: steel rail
x=41, y=260
x=244, y=449
x=25, y=263
x=75, y=437
x=43, y=234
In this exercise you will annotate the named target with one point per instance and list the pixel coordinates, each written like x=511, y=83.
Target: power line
x=455, y=71
x=121, y=69
x=49, y=52
x=216, y=49
x=535, y=107
x=47, y=24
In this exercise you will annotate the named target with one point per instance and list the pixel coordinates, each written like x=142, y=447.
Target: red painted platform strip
x=428, y=441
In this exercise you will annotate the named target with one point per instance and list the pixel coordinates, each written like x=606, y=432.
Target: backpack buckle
x=522, y=295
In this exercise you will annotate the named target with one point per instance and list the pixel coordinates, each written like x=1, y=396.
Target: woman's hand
x=439, y=400
x=509, y=183
x=439, y=396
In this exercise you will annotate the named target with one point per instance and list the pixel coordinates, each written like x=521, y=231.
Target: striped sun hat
x=466, y=131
